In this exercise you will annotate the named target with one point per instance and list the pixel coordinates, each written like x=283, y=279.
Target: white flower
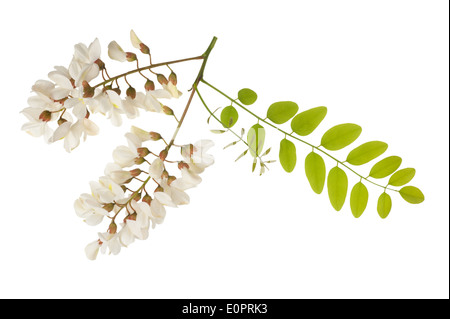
x=135, y=40
x=64, y=87
x=124, y=156
x=111, y=242
x=106, y=190
x=135, y=227
x=92, y=250
x=112, y=105
x=199, y=160
x=178, y=196
x=117, y=174
x=35, y=126
x=83, y=66
x=72, y=133
x=115, y=52
x=172, y=89
x=156, y=169
x=164, y=198
x=130, y=107
x=88, y=208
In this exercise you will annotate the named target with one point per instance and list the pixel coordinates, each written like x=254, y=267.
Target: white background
x=380, y=64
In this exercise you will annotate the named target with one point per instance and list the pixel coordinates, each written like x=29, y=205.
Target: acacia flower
x=83, y=66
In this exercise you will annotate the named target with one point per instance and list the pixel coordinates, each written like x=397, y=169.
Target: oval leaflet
x=288, y=155
x=366, y=152
x=340, y=136
x=255, y=139
x=384, y=205
x=315, y=171
x=247, y=96
x=281, y=112
x=306, y=122
x=337, y=185
x=229, y=116
x=385, y=167
x=358, y=199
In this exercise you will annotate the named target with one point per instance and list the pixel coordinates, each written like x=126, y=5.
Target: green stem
x=294, y=137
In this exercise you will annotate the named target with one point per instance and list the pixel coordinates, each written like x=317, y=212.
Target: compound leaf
x=385, y=167
x=337, y=187
x=340, y=136
x=306, y=122
x=281, y=112
x=288, y=155
x=315, y=171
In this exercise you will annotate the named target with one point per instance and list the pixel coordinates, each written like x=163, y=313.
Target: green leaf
x=385, y=167
x=402, y=177
x=358, y=199
x=242, y=155
x=247, y=96
x=229, y=116
x=384, y=205
x=366, y=152
x=255, y=139
x=315, y=171
x=288, y=155
x=306, y=122
x=412, y=195
x=337, y=184
x=281, y=112
x=340, y=136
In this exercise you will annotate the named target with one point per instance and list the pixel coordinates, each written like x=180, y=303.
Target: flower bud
x=108, y=207
x=182, y=165
x=88, y=91
x=130, y=56
x=117, y=90
x=131, y=92
x=162, y=79
x=149, y=85
x=155, y=136
x=61, y=121
x=124, y=188
x=163, y=154
x=173, y=78
x=147, y=199
x=139, y=160
x=159, y=189
x=130, y=217
x=112, y=228
x=135, y=172
x=45, y=116
x=100, y=63
x=170, y=179
x=144, y=49
x=137, y=197
x=165, y=174
x=167, y=110
x=143, y=151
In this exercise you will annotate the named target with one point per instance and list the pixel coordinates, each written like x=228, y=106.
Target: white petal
x=94, y=51
x=92, y=249
x=135, y=40
x=115, y=52
x=164, y=199
x=156, y=169
x=60, y=132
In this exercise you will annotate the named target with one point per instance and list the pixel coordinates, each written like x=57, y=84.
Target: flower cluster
x=68, y=98
x=123, y=190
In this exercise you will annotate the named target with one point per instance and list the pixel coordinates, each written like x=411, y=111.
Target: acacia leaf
x=229, y=116
x=385, y=167
x=402, y=176
x=255, y=139
x=288, y=155
x=359, y=197
x=315, y=171
x=337, y=185
x=366, y=152
x=384, y=205
x=340, y=136
x=281, y=112
x=247, y=96
x=412, y=194
x=306, y=122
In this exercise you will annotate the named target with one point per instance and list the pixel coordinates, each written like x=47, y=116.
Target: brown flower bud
x=159, y=189
x=108, y=207
x=45, y=116
x=130, y=217
x=139, y=160
x=149, y=85
x=135, y=172
x=100, y=63
x=144, y=48
x=124, y=188
x=163, y=154
x=131, y=56
x=167, y=110
x=173, y=78
x=182, y=165
x=112, y=228
x=131, y=92
x=155, y=136
x=143, y=151
x=137, y=197
x=170, y=179
x=147, y=199
x=162, y=79
x=61, y=121
x=165, y=174
x=88, y=91
x=117, y=90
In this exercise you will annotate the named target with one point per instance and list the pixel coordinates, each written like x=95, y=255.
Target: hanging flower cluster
x=68, y=98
